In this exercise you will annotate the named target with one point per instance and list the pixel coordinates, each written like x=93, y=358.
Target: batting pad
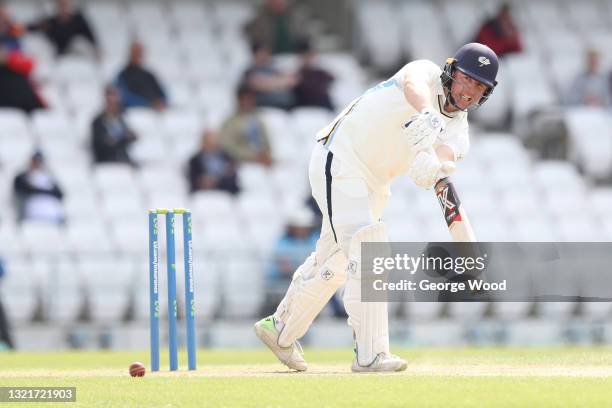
x=369, y=320
x=311, y=288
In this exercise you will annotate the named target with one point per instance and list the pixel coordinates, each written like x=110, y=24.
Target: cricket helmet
x=475, y=60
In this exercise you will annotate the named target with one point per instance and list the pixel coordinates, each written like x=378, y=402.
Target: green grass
x=487, y=377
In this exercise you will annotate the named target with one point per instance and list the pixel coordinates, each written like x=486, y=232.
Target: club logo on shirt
x=327, y=274
x=352, y=267
x=483, y=61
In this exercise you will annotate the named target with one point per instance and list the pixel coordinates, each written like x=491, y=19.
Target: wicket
x=172, y=301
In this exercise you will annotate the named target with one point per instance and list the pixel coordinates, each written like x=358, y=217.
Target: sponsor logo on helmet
x=483, y=61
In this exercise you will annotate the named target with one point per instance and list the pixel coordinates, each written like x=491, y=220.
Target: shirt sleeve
x=424, y=69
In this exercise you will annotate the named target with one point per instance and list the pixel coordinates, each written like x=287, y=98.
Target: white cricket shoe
x=292, y=356
x=381, y=364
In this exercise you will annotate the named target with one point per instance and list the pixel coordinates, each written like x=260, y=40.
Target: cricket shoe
x=292, y=356
x=383, y=363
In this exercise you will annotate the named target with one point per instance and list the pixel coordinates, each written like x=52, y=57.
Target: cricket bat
x=456, y=218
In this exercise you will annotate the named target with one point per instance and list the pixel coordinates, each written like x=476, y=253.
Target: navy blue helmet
x=475, y=60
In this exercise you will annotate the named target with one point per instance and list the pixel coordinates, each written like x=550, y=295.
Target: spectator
x=10, y=31
x=591, y=86
x=5, y=330
x=138, y=86
x=64, y=27
x=272, y=87
x=314, y=82
x=16, y=88
x=298, y=241
x=276, y=26
x=38, y=196
x=500, y=33
x=110, y=134
x=244, y=136
x=211, y=168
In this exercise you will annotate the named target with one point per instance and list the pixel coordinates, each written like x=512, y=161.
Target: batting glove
x=423, y=129
x=426, y=169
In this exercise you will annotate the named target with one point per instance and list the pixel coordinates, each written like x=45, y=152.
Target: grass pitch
x=486, y=377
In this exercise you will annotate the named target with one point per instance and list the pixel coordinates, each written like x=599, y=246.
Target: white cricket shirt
x=368, y=134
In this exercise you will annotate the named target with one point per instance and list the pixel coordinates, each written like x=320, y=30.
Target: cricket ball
x=137, y=369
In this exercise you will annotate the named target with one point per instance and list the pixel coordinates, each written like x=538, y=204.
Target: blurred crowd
x=240, y=138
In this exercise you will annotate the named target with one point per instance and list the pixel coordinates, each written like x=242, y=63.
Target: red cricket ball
x=137, y=369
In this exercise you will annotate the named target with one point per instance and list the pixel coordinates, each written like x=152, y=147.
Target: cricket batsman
x=413, y=123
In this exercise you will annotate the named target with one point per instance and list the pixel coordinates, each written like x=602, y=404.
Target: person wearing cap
x=37, y=193
x=415, y=124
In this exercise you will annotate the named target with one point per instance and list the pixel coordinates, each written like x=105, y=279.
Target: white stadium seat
x=111, y=177
x=590, y=141
x=44, y=238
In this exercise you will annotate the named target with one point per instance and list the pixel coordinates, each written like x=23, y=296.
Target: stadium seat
x=178, y=124
x=308, y=121
x=564, y=68
x=587, y=16
x=257, y=205
x=63, y=292
x=52, y=124
x=243, y=287
x=13, y=124
x=130, y=237
x=88, y=238
x=143, y=121
x=108, y=283
x=111, y=177
x=217, y=101
x=600, y=200
x=424, y=40
x=15, y=155
x=190, y=14
x=467, y=311
x=382, y=47
x=80, y=206
x=264, y=234
x=558, y=175
x=85, y=96
x=20, y=289
x=122, y=206
x=424, y=311
x=43, y=237
x=150, y=150
x=562, y=41
x=535, y=230
x=213, y=205
x=579, y=227
x=545, y=15
x=38, y=47
x=76, y=70
x=469, y=13
x=181, y=95
x=254, y=178
x=590, y=142
x=233, y=14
